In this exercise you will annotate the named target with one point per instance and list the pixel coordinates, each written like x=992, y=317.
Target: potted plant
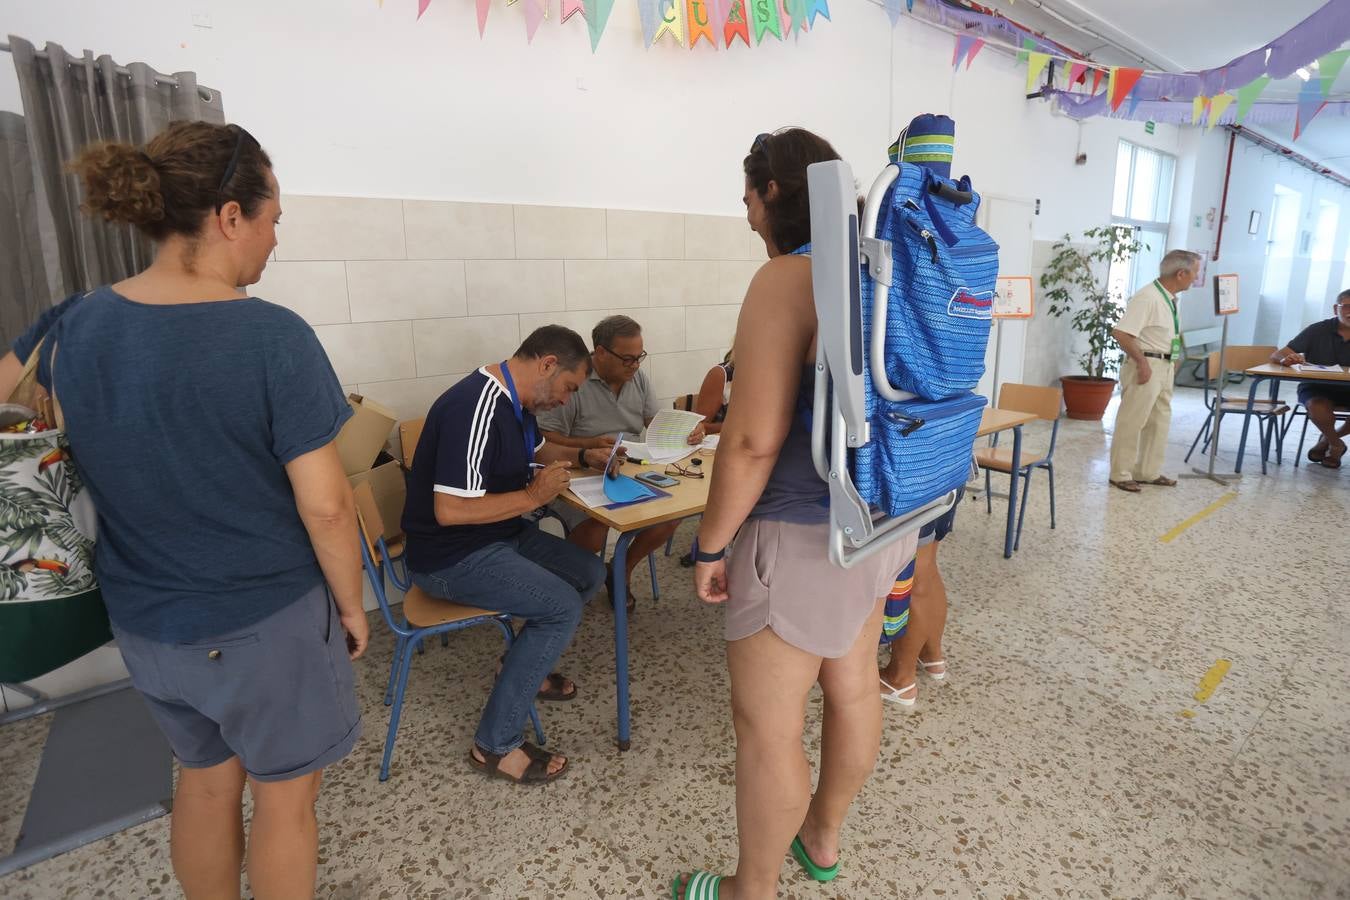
x=1077, y=284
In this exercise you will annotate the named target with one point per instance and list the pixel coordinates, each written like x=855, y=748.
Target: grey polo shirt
x=594, y=410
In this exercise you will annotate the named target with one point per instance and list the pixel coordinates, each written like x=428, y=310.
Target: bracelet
x=581, y=458
x=700, y=556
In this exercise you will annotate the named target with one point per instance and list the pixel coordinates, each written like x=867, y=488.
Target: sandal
x=535, y=773
x=928, y=669
x=895, y=692
x=610, y=590
x=700, y=886
x=1333, y=457
x=1131, y=486
x=1162, y=481
x=817, y=873
x=556, y=692
x=1318, y=451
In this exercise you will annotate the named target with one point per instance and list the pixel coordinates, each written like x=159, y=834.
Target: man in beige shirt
x=1150, y=335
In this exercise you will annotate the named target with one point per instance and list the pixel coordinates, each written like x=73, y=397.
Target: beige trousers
x=1145, y=414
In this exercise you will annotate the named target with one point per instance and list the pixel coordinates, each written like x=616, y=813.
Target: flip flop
x=556, y=691
x=1129, y=487
x=700, y=886
x=817, y=873
x=1333, y=457
x=1318, y=451
x=1162, y=481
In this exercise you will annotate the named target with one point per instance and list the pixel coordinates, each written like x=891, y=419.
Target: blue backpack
x=929, y=333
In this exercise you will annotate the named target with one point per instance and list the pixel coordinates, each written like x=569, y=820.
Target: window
x=1142, y=199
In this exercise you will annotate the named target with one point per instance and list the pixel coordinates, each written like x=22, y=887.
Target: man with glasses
x=1324, y=343
x=617, y=397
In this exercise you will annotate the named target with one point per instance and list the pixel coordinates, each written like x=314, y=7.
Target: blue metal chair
x=423, y=616
x=1044, y=403
x=1341, y=415
x=1268, y=413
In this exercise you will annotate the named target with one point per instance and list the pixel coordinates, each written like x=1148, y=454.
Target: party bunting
x=1198, y=109
x=1077, y=74
x=1247, y=95
x=1134, y=103
x=765, y=15
x=697, y=15
x=1122, y=82
x=672, y=23
x=422, y=7
x=1217, y=107
x=817, y=8
x=1027, y=46
x=1328, y=67
x=483, y=7
x=719, y=10
x=1096, y=80
x=1035, y=66
x=737, y=26
x=597, y=17
x=893, y=9
x=1310, y=103
x=965, y=49
x=974, y=48
x=794, y=16
x=535, y=13
x=569, y=9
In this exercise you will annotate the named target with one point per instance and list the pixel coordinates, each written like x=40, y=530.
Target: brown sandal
x=535, y=773
x=1318, y=451
x=1162, y=481
x=556, y=692
x=1130, y=487
x=1333, y=458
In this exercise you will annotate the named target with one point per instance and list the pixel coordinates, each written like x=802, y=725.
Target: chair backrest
x=685, y=402
x=1238, y=358
x=369, y=520
x=409, y=433
x=1043, y=402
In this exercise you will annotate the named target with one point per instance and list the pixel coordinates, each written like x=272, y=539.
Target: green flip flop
x=701, y=886
x=816, y=872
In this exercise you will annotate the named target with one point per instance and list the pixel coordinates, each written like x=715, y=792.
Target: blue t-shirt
x=180, y=419
x=472, y=445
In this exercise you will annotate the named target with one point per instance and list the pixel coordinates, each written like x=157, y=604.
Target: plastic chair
x=1267, y=412
x=1044, y=403
x=423, y=616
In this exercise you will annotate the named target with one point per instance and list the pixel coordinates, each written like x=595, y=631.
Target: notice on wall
x=1013, y=297
x=1225, y=295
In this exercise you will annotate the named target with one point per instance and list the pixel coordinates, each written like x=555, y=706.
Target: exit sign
x=1148, y=126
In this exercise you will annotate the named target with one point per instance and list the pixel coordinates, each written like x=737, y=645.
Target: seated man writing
x=616, y=397
x=1324, y=343
x=478, y=469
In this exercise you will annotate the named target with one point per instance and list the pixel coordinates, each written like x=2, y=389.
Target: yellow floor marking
x=1210, y=682
x=1200, y=516
x=1187, y=714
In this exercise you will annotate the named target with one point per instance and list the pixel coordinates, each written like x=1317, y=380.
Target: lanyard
x=1176, y=323
x=526, y=430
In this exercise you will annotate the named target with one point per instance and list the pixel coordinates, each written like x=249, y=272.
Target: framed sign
x=1225, y=295
x=1013, y=297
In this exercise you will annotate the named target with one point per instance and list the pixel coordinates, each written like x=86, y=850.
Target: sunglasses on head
x=240, y=137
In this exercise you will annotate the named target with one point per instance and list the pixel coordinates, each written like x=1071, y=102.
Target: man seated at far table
x=616, y=397
x=1324, y=343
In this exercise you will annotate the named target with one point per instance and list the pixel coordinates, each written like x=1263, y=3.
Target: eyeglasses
x=629, y=361
x=233, y=164
x=677, y=469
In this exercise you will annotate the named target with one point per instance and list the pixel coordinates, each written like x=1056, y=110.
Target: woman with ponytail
x=202, y=420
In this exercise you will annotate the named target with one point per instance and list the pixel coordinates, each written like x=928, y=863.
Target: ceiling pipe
x=1293, y=156
x=1172, y=65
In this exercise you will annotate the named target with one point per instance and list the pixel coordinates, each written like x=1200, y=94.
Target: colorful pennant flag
x=966, y=48
x=974, y=48
x=597, y=17
x=571, y=7
x=893, y=9
x=1027, y=46
x=422, y=7
x=1217, y=107
x=1036, y=64
x=737, y=26
x=719, y=10
x=1328, y=67
x=1096, y=80
x=1134, y=104
x=1197, y=109
x=483, y=7
x=1077, y=74
x=765, y=15
x=672, y=23
x=1247, y=95
x=535, y=13
x=817, y=8
x=794, y=15
x=1310, y=103
x=1122, y=83
x=698, y=15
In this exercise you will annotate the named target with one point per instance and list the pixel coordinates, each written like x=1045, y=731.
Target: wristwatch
x=581, y=458
x=700, y=556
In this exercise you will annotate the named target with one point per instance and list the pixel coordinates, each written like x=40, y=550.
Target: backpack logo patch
x=968, y=305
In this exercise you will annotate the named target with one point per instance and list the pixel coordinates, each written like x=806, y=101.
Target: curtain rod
x=205, y=94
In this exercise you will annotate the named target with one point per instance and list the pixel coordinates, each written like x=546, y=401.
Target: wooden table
x=992, y=421
x=686, y=499
x=1276, y=374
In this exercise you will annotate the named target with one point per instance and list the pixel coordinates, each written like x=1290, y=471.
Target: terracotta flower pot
x=1086, y=397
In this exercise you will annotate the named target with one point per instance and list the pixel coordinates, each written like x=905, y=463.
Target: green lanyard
x=1176, y=323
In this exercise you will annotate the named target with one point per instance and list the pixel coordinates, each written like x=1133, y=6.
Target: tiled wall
x=409, y=295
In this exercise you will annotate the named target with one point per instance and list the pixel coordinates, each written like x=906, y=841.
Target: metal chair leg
x=399, y=689
x=1050, y=472
x=1204, y=431
x=1022, y=507
x=988, y=495
x=1265, y=442
x=651, y=567
x=400, y=647
x=445, y=639
x=1303, y=435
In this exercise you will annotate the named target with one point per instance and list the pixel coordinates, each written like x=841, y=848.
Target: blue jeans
x=533, y=576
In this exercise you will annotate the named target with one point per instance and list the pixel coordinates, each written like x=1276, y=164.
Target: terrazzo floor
x=1067, y=757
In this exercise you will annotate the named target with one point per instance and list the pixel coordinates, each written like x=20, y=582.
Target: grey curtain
x=23, y=280
x=69, y=102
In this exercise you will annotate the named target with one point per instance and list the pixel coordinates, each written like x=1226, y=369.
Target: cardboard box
x=364, y=435
x=391, y=492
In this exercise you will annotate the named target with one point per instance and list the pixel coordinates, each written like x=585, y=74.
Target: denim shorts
x=279, y=694
x=939, y=528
